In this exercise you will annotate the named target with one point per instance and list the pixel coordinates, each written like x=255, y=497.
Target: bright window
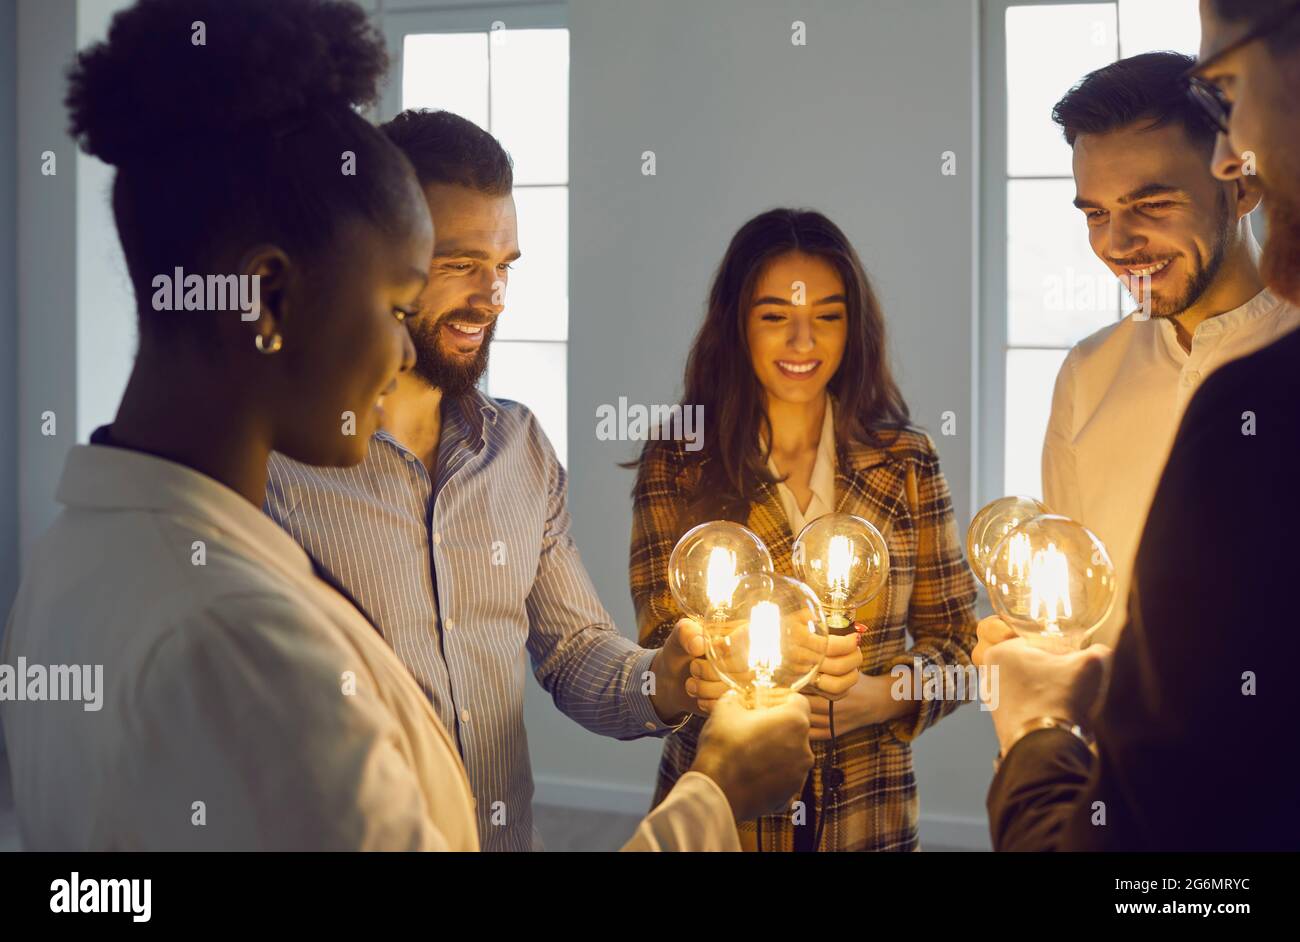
x=514, y=83
x=1053, y=289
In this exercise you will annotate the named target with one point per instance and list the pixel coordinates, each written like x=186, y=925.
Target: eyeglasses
x=1207, y=95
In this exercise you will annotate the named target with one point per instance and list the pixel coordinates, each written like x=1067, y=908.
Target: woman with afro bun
x=242, y=702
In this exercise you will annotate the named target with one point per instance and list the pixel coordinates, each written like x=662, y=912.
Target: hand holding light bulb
x=759, y=758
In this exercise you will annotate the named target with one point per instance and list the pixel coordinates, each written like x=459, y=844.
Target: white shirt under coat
x=1119, y=398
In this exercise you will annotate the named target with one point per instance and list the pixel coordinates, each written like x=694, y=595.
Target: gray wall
x=8, y=306
x=740, y=120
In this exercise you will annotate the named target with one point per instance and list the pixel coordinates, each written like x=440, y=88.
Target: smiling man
x=1180, y=240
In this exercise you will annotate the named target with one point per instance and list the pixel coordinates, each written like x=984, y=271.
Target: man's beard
x=1171, y=305
x=454, y=378
x=1280, y=266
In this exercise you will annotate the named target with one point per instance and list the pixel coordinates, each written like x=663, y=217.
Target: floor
x=562, y=829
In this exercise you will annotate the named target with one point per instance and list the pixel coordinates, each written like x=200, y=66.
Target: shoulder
x=906, y=446
x=1107, y=340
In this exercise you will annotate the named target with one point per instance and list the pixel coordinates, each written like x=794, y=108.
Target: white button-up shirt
x=821, y=481
x=245, y=703
x=1119, y=398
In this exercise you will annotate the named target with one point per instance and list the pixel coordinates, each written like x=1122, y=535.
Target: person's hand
x=990, y=631
x=852, y=711
x=759, y=757
x=672, y=670
x=1030, y=683
x=839, y=671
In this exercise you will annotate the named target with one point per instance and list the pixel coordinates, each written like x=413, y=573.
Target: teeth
x=467, y=330
x=1143, y=272
x=797, y=368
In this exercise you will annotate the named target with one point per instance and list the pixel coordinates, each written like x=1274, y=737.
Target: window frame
x=990, y=450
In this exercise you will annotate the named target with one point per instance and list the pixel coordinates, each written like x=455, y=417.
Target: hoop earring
x=268, y=346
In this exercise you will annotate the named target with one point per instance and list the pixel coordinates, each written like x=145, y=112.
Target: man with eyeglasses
x=1193, y=748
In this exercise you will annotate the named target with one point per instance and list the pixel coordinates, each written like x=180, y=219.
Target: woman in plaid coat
x=802, y=417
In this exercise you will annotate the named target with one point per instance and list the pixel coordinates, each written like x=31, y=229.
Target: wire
x=830, y=780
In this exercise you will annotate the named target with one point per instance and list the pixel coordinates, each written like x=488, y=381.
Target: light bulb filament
x=764, y=642
x=1049, y=588
x=721, y=579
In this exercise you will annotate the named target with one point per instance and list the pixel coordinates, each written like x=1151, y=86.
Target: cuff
x=639, y=706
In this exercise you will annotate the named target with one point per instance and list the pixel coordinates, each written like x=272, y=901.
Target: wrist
x=1036, y=724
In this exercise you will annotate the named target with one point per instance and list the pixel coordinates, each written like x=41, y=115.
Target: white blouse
x=245, y=704
x=822, y=481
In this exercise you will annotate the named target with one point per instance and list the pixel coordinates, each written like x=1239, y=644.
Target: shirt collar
x=1262, y=304
x=108, y=478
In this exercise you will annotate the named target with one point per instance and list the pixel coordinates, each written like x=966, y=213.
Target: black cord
x=758, y=824
x=831, y=779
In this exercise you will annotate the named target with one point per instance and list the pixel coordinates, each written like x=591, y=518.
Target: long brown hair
x=720, y=373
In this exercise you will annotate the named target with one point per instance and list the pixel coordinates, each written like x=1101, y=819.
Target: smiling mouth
x=798, y=369
x=1147, y=271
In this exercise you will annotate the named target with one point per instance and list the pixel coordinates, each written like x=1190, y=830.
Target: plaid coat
x=930, y=594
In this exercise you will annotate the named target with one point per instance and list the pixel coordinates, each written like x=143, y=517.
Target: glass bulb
x=707, y=564
x=992, y=523
x=773, y=641
x=1052, y=581
x=845, y=561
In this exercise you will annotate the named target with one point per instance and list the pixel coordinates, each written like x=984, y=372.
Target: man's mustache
x=466, y=316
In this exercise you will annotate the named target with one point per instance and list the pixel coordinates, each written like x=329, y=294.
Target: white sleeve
x=695, y=816
x=245, y=739
x=1060, y=478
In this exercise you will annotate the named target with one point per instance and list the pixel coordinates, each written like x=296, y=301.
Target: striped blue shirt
x=463, y=572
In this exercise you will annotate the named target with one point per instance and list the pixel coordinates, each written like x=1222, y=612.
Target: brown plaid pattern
x=930, y=593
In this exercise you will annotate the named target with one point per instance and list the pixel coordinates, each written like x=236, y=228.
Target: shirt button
x=451, y=623
x=408, y=456
x=1192, y=378
x=437, y=538
x=649, y=725
x=464, y=716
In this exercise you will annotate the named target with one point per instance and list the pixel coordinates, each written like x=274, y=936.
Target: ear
x=268, y=270
x=1248, y=193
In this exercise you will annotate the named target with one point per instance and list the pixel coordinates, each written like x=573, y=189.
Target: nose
x=1226, y=163
x=801, y=333
x=490, y=293
x=1124, y=240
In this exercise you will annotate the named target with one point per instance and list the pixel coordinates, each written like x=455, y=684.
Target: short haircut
x=446, y=148
x=1284, y=38
x=1148, y=87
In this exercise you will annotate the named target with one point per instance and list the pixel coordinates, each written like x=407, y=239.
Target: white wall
x=740, y=120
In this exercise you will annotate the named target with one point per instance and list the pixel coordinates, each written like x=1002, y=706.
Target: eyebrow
x=1141, y=193
x=454, y=252
x=772, y=299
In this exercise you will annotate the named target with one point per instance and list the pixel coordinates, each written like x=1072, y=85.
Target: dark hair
x=1146, y=87
x=720, y=372
x=446, y=148
x=239, y=139
x=1284, y=38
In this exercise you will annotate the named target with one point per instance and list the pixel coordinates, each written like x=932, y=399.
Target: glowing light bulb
x=774, y=640
x=1051, y=580
x=845, y=561
x=707, y=564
